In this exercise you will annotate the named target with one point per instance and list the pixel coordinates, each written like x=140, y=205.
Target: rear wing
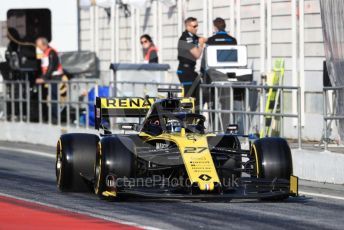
x=121, y=107
x=134, y=107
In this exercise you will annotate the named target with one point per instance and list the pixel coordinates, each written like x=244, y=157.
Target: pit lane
x=28, y=172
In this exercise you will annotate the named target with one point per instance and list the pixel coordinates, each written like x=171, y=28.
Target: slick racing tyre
x=273, y=160
x=75, y=159
x=116, y=159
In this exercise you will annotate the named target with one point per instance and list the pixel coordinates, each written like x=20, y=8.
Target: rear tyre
x=273, y=160
x=75, y=158
x=116, y=159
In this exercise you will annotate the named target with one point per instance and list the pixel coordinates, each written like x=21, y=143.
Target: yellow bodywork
x=109, y=194
x=193, y=147
x=196, y=157
x=294, y=185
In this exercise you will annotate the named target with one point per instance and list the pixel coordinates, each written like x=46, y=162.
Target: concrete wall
x=312, y=84
x=36, y=133
x=324, y=167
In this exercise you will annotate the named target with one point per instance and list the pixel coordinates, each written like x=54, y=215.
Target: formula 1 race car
x=169, y=154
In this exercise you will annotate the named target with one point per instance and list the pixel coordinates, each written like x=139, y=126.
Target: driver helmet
x=173, y=126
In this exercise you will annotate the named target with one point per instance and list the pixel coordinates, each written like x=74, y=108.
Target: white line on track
x=32, y=152
x=321, y=195
x=81, y=212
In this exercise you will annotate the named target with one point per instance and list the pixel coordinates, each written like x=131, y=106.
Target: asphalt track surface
x=28, y=173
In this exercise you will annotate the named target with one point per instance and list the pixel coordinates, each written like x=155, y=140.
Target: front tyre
x=273, y=160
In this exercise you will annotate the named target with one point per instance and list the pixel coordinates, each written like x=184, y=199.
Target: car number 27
x=195, y=149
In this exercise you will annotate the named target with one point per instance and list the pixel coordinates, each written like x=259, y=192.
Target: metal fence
x=216, y=112
x=25, y=102
x=20, y=101
x=330, y=114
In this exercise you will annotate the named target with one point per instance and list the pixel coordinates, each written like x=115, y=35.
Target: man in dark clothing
x=190, y=48
x=51, y=70
x=220, y=37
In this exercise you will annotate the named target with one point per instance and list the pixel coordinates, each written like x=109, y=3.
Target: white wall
x=247, y=25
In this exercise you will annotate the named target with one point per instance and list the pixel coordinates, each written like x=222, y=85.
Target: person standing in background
x=51, y=68
x=190, y=48
x=221, y=37
x=150, y=52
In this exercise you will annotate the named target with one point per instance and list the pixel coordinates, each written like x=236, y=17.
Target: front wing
x=248, y=188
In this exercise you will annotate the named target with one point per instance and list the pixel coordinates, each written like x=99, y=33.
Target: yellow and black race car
x=171, y=155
